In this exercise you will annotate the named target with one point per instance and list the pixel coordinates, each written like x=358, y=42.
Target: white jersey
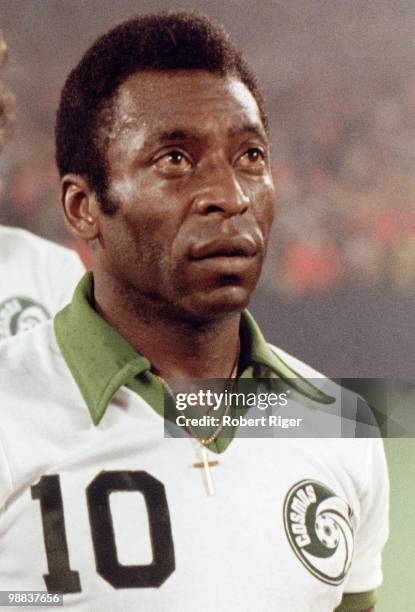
x=117, y=517
x=37, y=278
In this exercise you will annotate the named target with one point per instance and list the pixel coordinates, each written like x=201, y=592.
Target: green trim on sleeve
x=356, y=602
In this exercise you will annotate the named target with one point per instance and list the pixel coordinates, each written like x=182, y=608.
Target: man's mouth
x=224, y=246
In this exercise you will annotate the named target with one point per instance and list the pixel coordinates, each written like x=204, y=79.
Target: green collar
x=101, y=361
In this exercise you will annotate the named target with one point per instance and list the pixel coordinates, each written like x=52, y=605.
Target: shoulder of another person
x=16, y=237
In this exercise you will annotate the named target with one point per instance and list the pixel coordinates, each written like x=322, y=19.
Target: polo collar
x=101, y=361
x=262, y=353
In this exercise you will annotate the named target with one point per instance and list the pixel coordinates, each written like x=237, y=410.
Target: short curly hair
x=7, y=100
x=163, y=41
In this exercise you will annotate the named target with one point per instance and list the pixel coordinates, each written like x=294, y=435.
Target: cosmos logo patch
x=18, y=314
x=318, y=525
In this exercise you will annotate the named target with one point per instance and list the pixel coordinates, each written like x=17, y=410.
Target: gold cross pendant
x=205, y=464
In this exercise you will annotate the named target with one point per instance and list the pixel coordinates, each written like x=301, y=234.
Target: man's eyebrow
x=172, y=135
x=177, y=135
x=251, y=128
x=183, y=134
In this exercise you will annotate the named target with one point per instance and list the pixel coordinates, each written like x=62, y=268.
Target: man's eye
x=253, y=159
x=173, y=162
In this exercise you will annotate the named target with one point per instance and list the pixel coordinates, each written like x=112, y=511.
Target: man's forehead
x=180, y=98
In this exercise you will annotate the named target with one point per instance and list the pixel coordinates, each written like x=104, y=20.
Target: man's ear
x=80, y=206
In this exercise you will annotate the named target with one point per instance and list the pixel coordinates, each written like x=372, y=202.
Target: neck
x=176, y=348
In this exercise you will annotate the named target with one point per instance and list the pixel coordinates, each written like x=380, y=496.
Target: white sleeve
x=373, y=528
x=71, y=272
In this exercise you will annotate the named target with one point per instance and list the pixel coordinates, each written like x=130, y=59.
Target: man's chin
x=220, y=301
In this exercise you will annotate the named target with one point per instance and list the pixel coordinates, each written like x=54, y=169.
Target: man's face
x=189, y=171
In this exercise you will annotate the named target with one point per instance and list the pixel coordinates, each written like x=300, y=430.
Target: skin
x=189, y=170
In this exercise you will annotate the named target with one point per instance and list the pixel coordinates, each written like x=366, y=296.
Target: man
x=164, y=156
x=37, y=277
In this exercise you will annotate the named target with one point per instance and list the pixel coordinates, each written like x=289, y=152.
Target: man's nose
x=221, y=193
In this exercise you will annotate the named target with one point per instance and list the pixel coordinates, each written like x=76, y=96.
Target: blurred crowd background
x=339, y=78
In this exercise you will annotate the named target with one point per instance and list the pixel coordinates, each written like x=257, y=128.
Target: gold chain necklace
x=203, y=442
x=216, y=433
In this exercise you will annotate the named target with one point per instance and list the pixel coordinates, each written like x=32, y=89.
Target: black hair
x=159, y=41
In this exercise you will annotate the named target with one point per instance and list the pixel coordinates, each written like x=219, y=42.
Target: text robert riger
x=239, y=421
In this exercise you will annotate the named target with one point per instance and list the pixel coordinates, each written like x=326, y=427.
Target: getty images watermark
x=211, y=401
x=268, y=408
